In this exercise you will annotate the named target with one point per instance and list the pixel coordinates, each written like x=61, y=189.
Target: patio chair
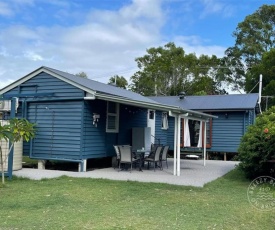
x=164, y=155
x=126, y=156
x=153, y=150
x=154, y=158
x=117, y=154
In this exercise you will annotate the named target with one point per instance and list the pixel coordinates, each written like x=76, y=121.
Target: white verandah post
x=204, y=144
x=178, y=146
x=175, y=144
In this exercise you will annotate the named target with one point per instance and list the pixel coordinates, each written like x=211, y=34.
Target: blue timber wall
x=226, y=132
x=130, y=117
x=58, y=123
x=64, y=121
x=161, y=135
x=58, y=129
x=98, y=143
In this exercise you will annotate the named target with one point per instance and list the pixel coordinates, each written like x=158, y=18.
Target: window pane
x=151, y=114
x=111, y=122
x=164, y=122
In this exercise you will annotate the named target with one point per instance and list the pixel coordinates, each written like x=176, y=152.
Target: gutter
x=167, y=108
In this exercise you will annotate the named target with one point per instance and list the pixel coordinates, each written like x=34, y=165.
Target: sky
x=103, y=37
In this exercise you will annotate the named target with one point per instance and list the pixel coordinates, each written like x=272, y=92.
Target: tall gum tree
x=267, y=68
x=169, y=70
x=253, y=37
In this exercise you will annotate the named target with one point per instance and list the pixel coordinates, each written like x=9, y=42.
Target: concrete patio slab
x=193, y=173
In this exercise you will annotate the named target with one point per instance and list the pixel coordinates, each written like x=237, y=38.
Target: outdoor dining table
x=140, y=153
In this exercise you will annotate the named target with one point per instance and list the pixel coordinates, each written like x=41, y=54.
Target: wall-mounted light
x=95, y=119
x=226, y=115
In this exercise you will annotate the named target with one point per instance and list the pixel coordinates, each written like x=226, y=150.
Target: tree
x=267, y=68
x=82, y=74
x=161, y=71
x=232, y=70
x=16, y=130
x=254, y=36
x=257, y=146
x=119, y=81
x=169, y=70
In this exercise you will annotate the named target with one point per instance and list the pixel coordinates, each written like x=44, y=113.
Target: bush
x=257, y=146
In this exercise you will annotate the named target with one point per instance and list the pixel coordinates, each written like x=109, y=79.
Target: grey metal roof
x=103, y=88
x=109, y=92
x=212, y=102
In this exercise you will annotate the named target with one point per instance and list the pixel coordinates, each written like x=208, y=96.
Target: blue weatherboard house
x=234, y=113
x=79, y=119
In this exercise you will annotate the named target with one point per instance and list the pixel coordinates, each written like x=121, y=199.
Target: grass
x=84, y=203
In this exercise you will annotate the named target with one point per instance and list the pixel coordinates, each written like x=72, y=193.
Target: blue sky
x=103, y=37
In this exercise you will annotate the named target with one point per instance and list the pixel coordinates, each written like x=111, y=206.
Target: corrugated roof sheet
x=212, y=102
x=103, y=88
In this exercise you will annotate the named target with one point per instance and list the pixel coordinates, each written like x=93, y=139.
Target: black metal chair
x=163, y=156
x=154, y=158
x=153, y=149
x=116, y=147
x=126, y=156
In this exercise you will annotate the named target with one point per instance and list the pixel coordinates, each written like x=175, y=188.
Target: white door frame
x=151, y=123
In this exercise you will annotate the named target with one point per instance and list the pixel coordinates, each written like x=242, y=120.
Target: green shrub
x=257, y=146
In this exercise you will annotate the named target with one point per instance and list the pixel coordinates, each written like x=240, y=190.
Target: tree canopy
x=267, y=68
x=82, y=74
x=255, y=35
x=168, y=70
x=253, y=38
x=119, y=81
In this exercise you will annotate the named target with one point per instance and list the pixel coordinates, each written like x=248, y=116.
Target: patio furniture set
x=126, y=156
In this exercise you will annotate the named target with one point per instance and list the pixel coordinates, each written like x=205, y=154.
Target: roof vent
x=181, y=95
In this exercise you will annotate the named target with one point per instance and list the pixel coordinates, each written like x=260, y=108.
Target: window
x=194, y=129
x=164, y=121
x=194, y=133
x=151, y=114
x=112, y=123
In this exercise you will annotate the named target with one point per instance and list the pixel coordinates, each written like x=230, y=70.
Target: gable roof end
x=106, y=92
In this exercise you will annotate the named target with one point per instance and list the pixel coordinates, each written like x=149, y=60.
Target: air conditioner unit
x=5, y=105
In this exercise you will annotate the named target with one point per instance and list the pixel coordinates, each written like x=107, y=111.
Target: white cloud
x=105, y=44
x=5, y=83
x=195, y=44
x=5, y=10
x=217, y=7
x=33, y=56
x=108, y=42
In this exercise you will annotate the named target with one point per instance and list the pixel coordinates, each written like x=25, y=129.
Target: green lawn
x=73, y=203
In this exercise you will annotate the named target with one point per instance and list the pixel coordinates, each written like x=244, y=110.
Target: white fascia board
x=191, y=115
x=200, y=116
x=173, y=111
x=20, y=81
x=38, y=71
x=126, y=101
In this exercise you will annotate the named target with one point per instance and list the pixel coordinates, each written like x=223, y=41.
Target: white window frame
x=164, y=121
x=116, y=115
